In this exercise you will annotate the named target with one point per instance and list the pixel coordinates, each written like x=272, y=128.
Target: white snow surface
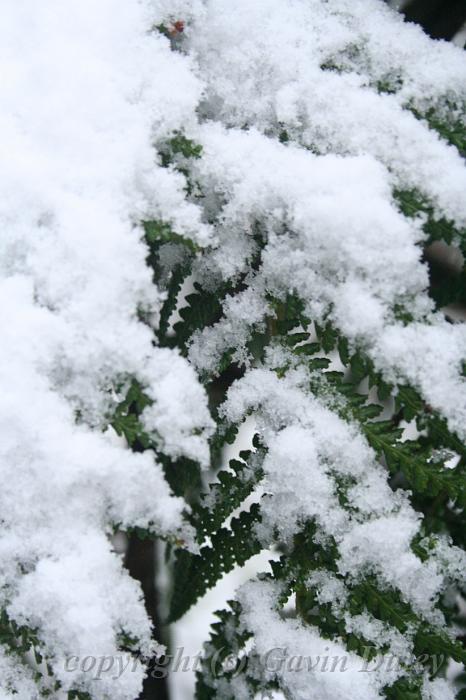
x=334, y=232
x=312, y=452
x=336, y=238
x=304, y=652
x=87, y=91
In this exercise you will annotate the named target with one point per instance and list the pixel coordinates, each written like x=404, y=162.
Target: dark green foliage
x=19, y=639
x=183, y=476
x=203, y=309
x=404, y=689
x=414, y=204
x=419, y=461
x=179, y=145
x=228, y=493
x=221, y=646
x=159, y=232
x=194, y=574
x=125, y=419
x=224, y=435
x=447, y=286
x=178, y=153
x=452, y=129
x=177, y=278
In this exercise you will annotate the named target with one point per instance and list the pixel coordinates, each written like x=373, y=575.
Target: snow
x=16, y=680
x=291, y=637
x=178, y=418
x=334, y=232
x=304, y=111
x=438, y=689
x=275, y=51
x=336, y=237
x=311, y=453
x=86, y=91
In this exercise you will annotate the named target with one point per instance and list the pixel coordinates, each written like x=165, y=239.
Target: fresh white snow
x=88, y=91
